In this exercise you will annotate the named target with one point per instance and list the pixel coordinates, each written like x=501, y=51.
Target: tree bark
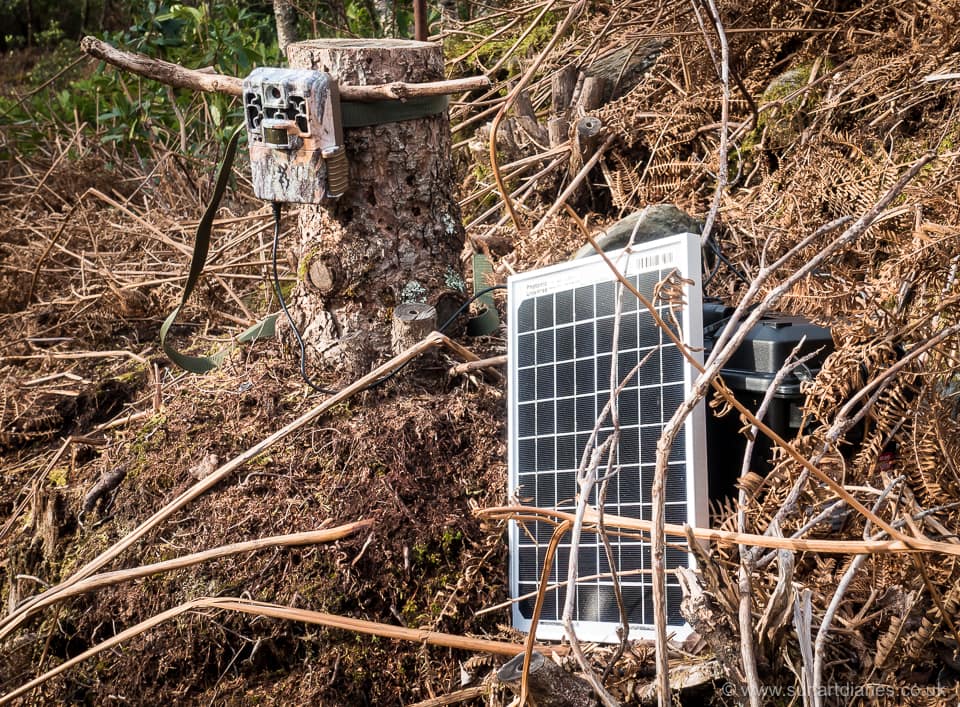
x=286, y=18
x=395, y=236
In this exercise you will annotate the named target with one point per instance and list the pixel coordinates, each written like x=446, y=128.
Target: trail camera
x=295, y=135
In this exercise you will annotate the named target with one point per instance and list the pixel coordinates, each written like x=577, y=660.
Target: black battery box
x=748, y=374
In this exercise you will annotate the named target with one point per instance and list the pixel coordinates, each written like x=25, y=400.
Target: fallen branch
x=203, y=80
x=107, y=579
x=724, y=71
x=528, y=648
x=745, y=571
x=469, y=366
x=276, y=611
x=729, y=537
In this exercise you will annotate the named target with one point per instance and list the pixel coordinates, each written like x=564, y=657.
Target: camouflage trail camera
x=295, y=135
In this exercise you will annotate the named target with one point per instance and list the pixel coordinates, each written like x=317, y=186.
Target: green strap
x=355, y=114
x=487, y=321
x=265, y=328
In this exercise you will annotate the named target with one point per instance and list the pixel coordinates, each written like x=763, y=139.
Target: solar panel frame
x=559, y=340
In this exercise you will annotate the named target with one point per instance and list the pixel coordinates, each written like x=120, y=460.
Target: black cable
x=713, y=271
x=714, y=246
x=476, y=296
x=441, y=329
x=277, y=212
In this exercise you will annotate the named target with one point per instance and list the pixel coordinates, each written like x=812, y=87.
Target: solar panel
x=565, y=340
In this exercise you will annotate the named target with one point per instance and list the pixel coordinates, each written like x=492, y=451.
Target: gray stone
x=650, y=223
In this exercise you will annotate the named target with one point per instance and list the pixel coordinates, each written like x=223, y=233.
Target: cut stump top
x=364, y=62
x=359, y=43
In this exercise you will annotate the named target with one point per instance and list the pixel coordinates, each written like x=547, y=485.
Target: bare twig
x=587, y=477
x=530, y=644
x=747, y=557
x=469, y=366
x=802, y=621
x=108, y=579
x=711, y=8
x=729, y=537
x=821, y=639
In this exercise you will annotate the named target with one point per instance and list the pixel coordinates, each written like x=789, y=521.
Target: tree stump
x=412, y=321
x=396, y=235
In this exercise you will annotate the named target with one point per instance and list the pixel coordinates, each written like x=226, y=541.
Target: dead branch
x=587, y=478
x=202, y=80
x=529, y=645
x=729, y=537
x=468, y=693
x=469, y=366
x=803, y=622
x=724, y=70
x=276, y=611
x=108, y=579
x=747, y=555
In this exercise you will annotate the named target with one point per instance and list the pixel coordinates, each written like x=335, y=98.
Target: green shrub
x=139, y=115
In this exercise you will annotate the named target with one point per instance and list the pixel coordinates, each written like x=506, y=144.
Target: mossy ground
x=414, y=461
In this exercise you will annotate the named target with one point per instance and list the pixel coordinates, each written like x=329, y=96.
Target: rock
x=623, y=68
x=652, y=222
x=549, y=685
x=206, y=467
x=782, y=126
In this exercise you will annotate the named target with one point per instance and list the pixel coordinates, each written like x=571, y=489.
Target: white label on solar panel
x=561, y=350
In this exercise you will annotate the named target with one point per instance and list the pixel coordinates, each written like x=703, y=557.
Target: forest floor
x=825, y=110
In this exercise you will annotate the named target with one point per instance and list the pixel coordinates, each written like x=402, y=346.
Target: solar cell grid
x=565, y=345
